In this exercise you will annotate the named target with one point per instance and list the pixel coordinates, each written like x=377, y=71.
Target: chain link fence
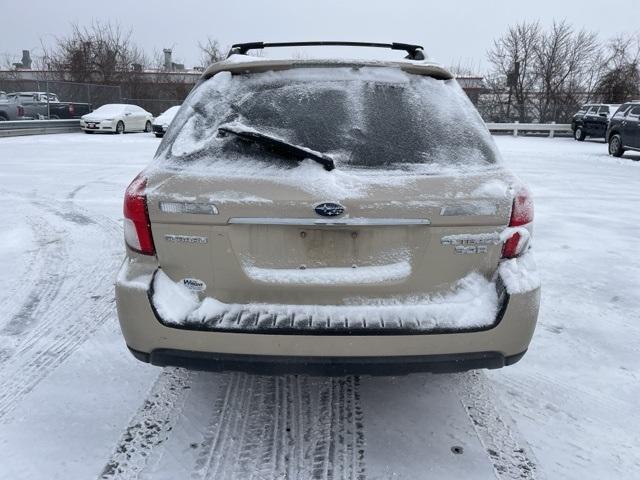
x=153, y=105
x=93, y=94
x=152, y=96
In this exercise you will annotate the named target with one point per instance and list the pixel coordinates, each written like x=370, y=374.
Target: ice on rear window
x=368, y=118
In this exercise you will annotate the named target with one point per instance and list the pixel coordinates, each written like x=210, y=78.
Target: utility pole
x=512, y=81
x=48, y=106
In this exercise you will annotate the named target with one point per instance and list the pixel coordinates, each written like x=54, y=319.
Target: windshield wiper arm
x=297, y=152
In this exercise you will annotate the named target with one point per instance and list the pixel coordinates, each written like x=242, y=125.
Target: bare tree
x=513, y=59
x=563, y=59
x=210, y=52
x=620, y=79
x=99, y=53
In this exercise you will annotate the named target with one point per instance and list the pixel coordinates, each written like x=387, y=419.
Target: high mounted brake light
x=137, y=226
x=521, y=214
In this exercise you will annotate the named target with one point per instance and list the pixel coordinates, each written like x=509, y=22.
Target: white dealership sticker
x=194, y=284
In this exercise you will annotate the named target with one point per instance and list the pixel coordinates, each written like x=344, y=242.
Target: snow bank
x=520, y=275
x=471, y=303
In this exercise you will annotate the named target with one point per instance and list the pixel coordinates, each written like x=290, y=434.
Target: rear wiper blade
x=290, y=150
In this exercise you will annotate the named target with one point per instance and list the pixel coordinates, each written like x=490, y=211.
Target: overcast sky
x=451, y=31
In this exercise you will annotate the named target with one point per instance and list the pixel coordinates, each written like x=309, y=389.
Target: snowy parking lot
x=75, y=404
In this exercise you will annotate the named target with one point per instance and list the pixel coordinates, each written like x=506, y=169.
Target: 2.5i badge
x=194, y=284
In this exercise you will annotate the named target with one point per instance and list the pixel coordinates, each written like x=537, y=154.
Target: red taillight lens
x=137, y=227
x=510, y=248
x=20, y=110
x=72, y=109
x=521, y=214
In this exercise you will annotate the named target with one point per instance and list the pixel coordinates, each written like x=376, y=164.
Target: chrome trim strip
x=334, y=222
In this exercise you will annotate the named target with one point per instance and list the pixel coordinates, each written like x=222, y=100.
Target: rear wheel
x=147, y=126
x=579, y=134
x=88, y=131
x=615, y=146
x=120, y=127
x=159, y=135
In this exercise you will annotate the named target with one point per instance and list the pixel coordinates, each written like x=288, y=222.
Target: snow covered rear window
x=369, y=117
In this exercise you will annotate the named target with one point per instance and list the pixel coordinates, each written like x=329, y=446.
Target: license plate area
x=280, y=246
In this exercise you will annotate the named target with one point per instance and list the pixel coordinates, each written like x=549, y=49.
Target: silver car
x=329, y=217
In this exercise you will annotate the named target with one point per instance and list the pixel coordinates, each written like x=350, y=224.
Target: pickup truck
x=10, y=110
x=33, y=106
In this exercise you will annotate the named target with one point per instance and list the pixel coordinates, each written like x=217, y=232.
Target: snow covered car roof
x=248, y=64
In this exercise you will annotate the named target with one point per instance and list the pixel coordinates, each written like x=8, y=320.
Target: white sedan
x=162, y=122
x=118, y=118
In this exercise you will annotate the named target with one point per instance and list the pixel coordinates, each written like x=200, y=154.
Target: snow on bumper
x=473, y=303
x=145, y=333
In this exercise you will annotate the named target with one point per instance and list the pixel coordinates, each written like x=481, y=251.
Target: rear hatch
x=418, y=195
x=267, y=243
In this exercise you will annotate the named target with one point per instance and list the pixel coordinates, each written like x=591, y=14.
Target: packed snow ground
x=75, y=404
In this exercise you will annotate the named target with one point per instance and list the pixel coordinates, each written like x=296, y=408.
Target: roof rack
x=414, y=52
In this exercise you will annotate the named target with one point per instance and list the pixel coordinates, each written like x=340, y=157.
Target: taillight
x=72, y=109
x=137, y=226
x=521, y=214
x=20, y=110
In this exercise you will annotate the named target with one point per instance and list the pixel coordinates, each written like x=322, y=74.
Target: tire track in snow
x=71, y=299
x=150, y=426
x=266, y=427
x=509, y=453
x=47, y=267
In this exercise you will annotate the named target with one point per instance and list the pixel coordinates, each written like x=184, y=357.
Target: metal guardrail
x=40, y=127
x=16, y=128
x=518, y=128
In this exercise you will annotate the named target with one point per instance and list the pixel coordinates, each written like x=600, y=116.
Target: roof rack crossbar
x=414, y=52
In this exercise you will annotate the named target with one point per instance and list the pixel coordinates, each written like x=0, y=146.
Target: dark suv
x=624, y=129
x=592, y=120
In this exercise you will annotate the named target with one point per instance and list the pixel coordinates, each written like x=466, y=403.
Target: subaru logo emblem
x=329, y=209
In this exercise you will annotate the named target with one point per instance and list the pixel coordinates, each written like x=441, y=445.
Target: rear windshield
x=370, y=117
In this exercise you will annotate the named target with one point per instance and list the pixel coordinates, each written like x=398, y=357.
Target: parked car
x=35, y=106
x=162, y=122
x=323, y=216
x=592, y=120
x=117, y=118
x=624, y=129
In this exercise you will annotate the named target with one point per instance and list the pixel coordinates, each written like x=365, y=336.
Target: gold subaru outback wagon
x=328, y=217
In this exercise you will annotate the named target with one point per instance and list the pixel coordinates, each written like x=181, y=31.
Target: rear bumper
x=100, y=127
x=326, y=366
x=160, y=344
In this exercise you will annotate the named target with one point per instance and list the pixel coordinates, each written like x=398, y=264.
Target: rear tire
x=615, y=145
x=579, y=134
x=88, y=131
x=120, y=127
x=147, y=127
x=159, y=135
